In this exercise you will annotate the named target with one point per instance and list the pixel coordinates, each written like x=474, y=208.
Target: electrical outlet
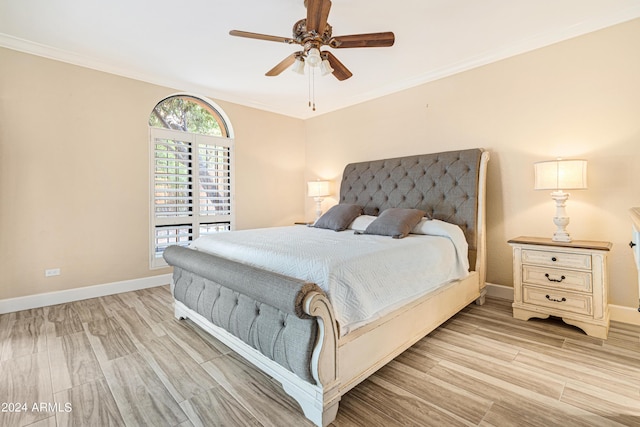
x=52, y=272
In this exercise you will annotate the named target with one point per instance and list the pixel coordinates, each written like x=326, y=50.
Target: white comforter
x=364, y=276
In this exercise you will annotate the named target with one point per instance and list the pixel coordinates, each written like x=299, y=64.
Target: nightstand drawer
x=565, y=301
x=557, y=259
x=556, y=278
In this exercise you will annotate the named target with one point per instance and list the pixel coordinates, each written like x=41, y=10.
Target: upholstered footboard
x=283, y=325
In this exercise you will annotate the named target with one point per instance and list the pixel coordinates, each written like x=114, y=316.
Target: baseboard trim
x=624, y=314
x=617, y=313
x=500, y=291
x=10, y=305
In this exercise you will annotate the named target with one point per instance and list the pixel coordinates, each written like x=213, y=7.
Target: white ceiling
x=186, y=44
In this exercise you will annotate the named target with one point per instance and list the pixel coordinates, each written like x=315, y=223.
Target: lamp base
x=318, y=201
x=561, y=236
x=561, y=220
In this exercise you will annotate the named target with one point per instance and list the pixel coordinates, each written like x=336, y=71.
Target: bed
x=287, y=299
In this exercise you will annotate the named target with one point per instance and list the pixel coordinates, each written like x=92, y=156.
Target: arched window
x=191, y=173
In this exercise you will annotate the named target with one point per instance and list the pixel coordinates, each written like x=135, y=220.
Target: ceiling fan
x=312, y=33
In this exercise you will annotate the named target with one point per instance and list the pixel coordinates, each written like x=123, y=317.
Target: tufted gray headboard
x=445, y=185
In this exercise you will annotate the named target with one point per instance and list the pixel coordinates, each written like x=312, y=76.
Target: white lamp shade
x=560, y=175
x=298, y=66
x=318, y=188
x=325, y=67
x=313, y=57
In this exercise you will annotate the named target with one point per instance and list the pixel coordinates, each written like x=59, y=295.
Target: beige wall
x=74, y=174
x=579, y=98
x=74, y=156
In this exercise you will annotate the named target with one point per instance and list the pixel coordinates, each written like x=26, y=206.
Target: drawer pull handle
x=554, y=280
x=554, y=259
x=631, y=244
x=555, y=300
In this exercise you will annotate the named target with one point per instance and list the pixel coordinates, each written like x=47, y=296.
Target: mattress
x=364, y=276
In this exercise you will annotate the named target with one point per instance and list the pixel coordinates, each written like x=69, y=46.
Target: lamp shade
x=318, y=188
x=560, y=175
x=298, y=66
x=313, y=57
x=325, y=67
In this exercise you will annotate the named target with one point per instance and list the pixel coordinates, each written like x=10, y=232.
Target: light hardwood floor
x=124, y=360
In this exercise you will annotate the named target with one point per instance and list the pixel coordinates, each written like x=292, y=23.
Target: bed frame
x=286, y=327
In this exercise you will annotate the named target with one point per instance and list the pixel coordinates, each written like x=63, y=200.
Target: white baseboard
x=617, y=313
x=500, y=291
x=10, y=305
x=624, y=314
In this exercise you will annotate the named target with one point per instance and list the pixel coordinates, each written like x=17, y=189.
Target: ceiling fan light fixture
x=325, y=67
x=313, y=57
x=312, y=33
x=298, y=66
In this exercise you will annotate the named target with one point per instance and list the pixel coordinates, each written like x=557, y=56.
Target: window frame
x=194, y=219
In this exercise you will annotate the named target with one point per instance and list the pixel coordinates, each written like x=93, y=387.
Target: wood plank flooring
x=123, y=360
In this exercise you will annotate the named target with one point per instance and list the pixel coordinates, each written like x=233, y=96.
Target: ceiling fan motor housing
x=310, y=39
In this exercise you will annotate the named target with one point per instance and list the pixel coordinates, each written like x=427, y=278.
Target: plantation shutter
x=192, y=193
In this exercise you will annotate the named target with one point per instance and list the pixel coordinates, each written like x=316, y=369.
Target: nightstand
x=563, y=279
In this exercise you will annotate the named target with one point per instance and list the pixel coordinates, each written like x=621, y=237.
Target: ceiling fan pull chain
x=313, y=83
x=309, y=85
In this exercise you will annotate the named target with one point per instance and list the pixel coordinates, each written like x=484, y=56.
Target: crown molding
x=485, y=58
x=515, y=48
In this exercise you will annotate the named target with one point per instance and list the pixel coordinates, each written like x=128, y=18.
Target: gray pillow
x=339, y=217
x=395, y=222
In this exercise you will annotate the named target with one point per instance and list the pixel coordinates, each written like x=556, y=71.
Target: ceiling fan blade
x=363, y=40
x=339, y=70
x=317, y=15
x=257, y=36
x=283, y=65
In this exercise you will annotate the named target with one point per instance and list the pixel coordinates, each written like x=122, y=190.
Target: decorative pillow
x=339, y=217
x=368, y=210
x=423, y=227
x=362, y=222
x=395, y=222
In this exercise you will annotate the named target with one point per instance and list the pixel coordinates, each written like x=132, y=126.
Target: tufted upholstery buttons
x=443, y=184
x=278, y=335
